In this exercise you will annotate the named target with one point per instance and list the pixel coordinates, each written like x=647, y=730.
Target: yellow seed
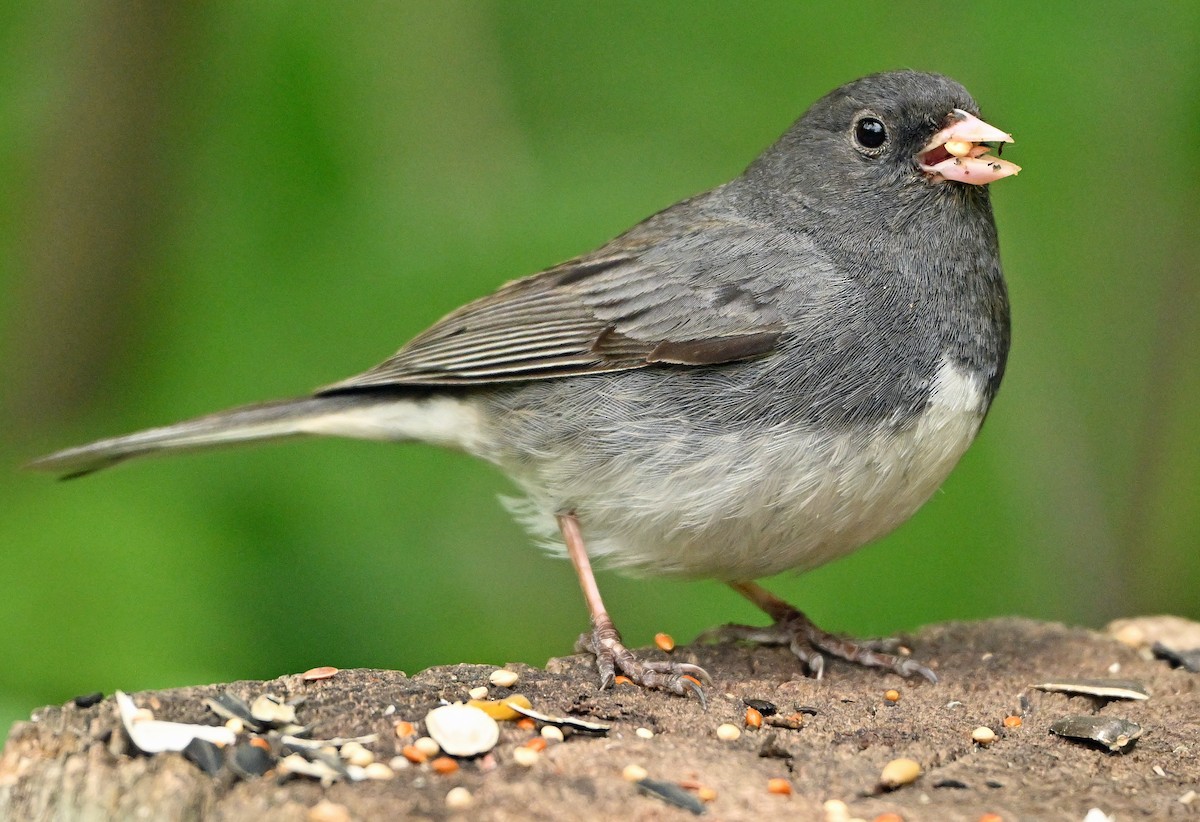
x=500, y=710
x=728, y=732
x=899, y=772
x=891, y=695
x=665, y=642
x=634, y=773
x=983, y=735
x=706, y=794
x=959, y=148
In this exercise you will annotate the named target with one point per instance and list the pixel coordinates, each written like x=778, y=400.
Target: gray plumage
x=761, y=377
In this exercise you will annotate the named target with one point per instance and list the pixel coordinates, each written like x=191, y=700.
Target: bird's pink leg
x=806, y=640
x=604, y=641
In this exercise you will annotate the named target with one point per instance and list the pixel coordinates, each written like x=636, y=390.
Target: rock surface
x=77, y=763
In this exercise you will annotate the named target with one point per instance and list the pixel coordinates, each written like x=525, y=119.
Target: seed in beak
x=959, y=148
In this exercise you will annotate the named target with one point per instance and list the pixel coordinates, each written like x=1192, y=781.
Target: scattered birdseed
x=892, y=695
x=983, y=735
x=356, y=754
x=552, y=733
x=792, y=723
x=503, y=678
x=836, y=811
x=728, y=732
x=459, y=799
x=205, y=755
x=1118, y=735
x=899, y=772
x=428, y=746
x=563, y=721
x=462, y=730
x=502, y=710
x=326, y=811
x=779, y=786
x=753, y=718
x=525, y=756
x=250, y=761
x=1012, y=721
x=405, y=729
x=644, y=733
x=665, y=642
x=671, y=793
x=1189, y=659
x=444, y=765
x=316, y=674
x=1106, y=688
x=479, y=692
x=379, y=771
x=151, y=735
x=272, y=710
x=762, y=706
x=634, y=773
x=88, y=700
x=414, y=754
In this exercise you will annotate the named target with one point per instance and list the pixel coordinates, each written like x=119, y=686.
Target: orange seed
x=891, y=695
x=413, y=754
x=780, y=786
x=753, y=718
x=665, y=642
x=444, y=765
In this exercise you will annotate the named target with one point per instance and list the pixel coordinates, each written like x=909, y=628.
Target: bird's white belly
x=759, y=504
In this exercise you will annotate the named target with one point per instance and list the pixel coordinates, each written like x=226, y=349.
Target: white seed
x=459, y=799
x=552, y=733
x=326, y=811
x=959, y=148
x=399, y=763
x=899, y=772
x=525, y=757
x=983, y=735
x=270, y=708
x=728, y=732
x=462, y=730
x=836, y=811
x=645, y=733
x=478, y=693
x=428, y=746
x=634, y=773
x=356, y=754
x=377, y=770
x=235, y=724
x=503, y=678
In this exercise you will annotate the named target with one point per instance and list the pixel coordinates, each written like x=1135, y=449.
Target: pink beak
x=953, y=153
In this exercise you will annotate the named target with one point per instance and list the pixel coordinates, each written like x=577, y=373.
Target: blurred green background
x=207, y=204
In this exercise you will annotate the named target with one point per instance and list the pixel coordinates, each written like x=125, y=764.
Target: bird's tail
x=359, y=415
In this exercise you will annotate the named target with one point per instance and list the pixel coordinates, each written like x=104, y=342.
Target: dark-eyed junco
x=760, y=378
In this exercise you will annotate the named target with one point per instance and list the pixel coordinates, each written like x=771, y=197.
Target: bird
x=760, y=378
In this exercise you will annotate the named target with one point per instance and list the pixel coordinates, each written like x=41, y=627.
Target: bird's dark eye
x=870, y=133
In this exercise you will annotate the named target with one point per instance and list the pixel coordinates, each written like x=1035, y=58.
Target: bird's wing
x=653, y=296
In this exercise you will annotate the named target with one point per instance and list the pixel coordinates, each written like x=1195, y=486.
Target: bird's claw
x=604, y=643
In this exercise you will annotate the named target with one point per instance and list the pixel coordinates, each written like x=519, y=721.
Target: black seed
x=950, y=783
x=1188, y=660
x=205, y=755
x=88, y=700
x=672, y=794
x=250, y=761
x=762, y=706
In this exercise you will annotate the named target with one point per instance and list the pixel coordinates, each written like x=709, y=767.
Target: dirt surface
x=71, y=762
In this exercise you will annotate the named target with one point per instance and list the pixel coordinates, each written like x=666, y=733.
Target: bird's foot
x=795, y=630
x=612, y=657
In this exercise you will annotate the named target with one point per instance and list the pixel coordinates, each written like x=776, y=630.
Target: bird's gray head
x=902, y=132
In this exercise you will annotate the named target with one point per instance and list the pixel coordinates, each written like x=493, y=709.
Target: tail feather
x=262, y=421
